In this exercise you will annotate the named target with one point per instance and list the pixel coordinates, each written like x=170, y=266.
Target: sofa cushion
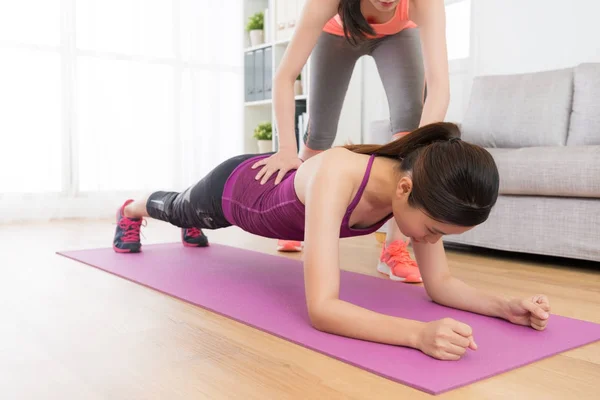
x=524, y=110
x=585, y=118
x=571, y=171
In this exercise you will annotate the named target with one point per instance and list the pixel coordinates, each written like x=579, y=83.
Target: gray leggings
x=400, y=65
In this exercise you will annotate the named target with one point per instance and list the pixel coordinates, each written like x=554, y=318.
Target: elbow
x=318, y=318
x=284, y=77
x=431, y=293
x=436, y=290
x=435, y=297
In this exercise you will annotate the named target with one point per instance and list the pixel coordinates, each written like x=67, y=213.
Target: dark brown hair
x=356, y=27
x=454, y=182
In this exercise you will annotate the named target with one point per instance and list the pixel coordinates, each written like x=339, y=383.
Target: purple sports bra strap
x=361, y=188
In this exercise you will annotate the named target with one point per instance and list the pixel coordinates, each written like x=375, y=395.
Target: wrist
x=414, y=333
x=502, y=308
x=287, y=149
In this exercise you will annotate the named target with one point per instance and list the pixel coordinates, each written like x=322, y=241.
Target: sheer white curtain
x=101, y=100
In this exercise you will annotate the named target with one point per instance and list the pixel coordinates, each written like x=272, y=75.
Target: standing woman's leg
x=400, y=64
x=331, y=66
x=332, y=62
x=399, y=61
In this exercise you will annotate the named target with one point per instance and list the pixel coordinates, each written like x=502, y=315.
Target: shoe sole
x=118, y=250
x=186, y=244
x=288, y=248
x=386, y=270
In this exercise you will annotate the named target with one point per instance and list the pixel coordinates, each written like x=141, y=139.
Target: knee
x=406, y=117
x=180, y=212
x=319, y=143
x=319, y=138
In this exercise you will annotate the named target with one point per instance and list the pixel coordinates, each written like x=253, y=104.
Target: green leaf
x=256, y=21
x=263, y=131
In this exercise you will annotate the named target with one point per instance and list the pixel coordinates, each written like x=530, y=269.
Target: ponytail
x=402, y=147
x=356, y=27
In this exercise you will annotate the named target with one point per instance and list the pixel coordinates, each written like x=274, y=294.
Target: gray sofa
x=543, y=130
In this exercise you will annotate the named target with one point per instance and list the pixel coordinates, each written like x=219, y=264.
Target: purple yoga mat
x=267, y=292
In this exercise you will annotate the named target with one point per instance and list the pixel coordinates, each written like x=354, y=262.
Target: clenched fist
x=532, y=311
x=446, y=339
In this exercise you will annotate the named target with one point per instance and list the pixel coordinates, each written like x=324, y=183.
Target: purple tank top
x=275, y=211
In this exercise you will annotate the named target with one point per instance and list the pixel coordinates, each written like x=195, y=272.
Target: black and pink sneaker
x=193, y=237
x=127, y=235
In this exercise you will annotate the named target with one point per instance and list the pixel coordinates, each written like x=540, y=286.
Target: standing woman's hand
x=309, y=28
x=282, y=161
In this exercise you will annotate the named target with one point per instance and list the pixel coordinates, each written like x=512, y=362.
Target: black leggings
x=199, y=206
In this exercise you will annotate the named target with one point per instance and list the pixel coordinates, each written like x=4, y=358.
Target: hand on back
x=280, y=161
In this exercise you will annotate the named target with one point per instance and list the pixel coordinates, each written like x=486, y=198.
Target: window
x=458, y=28
x=106, y=96
x=31, y=121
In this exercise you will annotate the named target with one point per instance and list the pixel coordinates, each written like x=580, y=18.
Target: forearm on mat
x=345, y=319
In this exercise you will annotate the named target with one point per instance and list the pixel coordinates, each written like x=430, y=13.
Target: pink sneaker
x=395, y=262
x=289, y=246
x=127, y=233
x=193, y=237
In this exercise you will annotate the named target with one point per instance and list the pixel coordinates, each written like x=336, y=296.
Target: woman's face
x=414, y=223
x=384, y=5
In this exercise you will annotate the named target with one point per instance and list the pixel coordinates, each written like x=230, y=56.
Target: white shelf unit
x=280, y=23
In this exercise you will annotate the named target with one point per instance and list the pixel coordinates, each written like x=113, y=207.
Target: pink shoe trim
x=289, y=245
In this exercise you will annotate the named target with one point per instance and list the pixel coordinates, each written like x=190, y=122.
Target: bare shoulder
x=343, y=162
x=336, y=168
x=342, y=155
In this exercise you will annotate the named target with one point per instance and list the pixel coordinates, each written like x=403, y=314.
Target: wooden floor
x=74, y=332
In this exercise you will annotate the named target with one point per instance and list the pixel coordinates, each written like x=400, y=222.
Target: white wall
x=509, y=36
x=349, y=126
x=514, y=36
x=374, y=103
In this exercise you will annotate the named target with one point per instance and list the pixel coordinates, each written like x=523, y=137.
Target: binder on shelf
x=300, y=123
x=259, y=64
x=268, y=73
x=249, y=76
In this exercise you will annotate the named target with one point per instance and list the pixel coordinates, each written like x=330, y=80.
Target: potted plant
x=263, y=133
x=298, y=85
x=255, y=27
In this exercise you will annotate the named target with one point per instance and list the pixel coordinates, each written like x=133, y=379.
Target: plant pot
x=265, y=146
x=256, y=37
x=298, y=88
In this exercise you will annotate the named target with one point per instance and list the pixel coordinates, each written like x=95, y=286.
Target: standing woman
x=407, y=39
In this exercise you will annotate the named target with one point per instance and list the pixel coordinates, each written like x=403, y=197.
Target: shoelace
x=193, y=232
x=398, y=255
x=131, y=229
